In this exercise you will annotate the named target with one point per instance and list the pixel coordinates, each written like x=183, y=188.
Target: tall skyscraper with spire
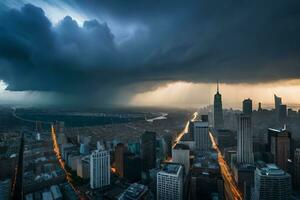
x=218, y=110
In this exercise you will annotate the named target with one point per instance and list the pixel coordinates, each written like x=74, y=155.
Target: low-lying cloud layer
x=128, y=43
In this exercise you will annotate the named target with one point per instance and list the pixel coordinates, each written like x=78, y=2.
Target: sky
x=154, y=53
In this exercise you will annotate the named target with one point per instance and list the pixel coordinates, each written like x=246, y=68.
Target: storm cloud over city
x=112, y=49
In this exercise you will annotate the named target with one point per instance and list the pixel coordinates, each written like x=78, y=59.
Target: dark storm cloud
x=199, y=41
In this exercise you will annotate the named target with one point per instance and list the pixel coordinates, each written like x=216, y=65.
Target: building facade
x=245, y=140
x=99, y=169
x=218, y=110
x=201, y=135
x=170, y=182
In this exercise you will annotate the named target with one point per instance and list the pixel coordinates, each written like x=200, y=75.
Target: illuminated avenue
x=226, y=173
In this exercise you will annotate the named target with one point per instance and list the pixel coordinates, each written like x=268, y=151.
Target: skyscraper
x=247, y=106
x=271, y=183
x=99, y=168
x=201, y=135
x=218, y=110
x=119, y=158
x=279, y=145
x=170, y=182
x=245, y=140
x=278, y=102
x=181, y=155
x=282, y=113
x=148, y=150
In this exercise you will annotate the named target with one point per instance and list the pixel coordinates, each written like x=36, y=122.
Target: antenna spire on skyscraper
x=217, y=86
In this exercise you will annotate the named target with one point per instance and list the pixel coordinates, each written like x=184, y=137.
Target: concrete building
x=181, y=155
x=218, y=110
x=170, y=182
x=201, y=135
x=56, y=193
x=99, y=168
x=245, y=140
x=271, y=183
x=279, y=146
x=83, y=167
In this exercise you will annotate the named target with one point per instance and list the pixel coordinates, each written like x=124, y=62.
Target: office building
x=148, y=150
x=83, y=167
x=181, y=155
x=201, y=135
x=119, y=159
x=247, y=106
x=296, y=177
x=218, y=110
x=226, y=138
x=99, y=168
x=279, y=142
x=170, y=182
x=271, y=182
x=132, y=167
x=259, y=107
x=278, y=102
x=245, y=140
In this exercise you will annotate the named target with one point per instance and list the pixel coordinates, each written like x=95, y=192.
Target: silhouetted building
x=279, y=145
x=296, y=178
x=247, y=106
x=278, y=102
x=245, y=140
x=259, y=107
x=170, y=182
x=244, y=177
x=132, y=167
x=271, y=183
x=218, y=110
x=181, y=155
x=201, y=135
x=148, y=150
x=119, y=158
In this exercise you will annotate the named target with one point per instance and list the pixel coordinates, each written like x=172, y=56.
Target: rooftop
x=135, y=191
x=181, y=146
x=271, y=170
x=171, y=168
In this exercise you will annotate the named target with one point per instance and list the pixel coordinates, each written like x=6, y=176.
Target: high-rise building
x=132, y=167
x=119, y=158
x=282, y=113
x=245, y=140
x=247, y=106
x=218, y=110
x=148, y=150
x=271, y=183
x=201, y=135
x=279, y=146
x=99, y=168
x=170, y=182
x=278, y=102
x=181, y=155
x=296, y=178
